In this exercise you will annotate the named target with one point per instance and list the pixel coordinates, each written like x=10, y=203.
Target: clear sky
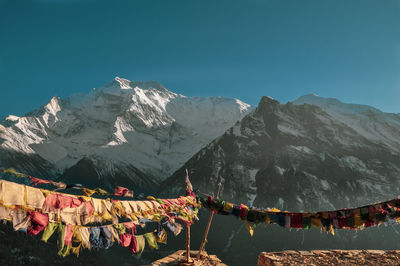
x=347, y=49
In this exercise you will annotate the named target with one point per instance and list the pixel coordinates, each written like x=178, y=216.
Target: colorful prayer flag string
x=119, y=191
x=353, y=219
x=36, y=210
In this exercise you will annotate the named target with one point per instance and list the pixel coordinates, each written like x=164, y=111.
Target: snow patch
x=280, y=170
x=12, y=118
x=124, y=83
x=243, y=107
x=301, y=149
x=325, y=185
x=353, y=162
x=300, y=202
x=287, y=129
x=252, y=174
x=251, y=198
x=280, y=203
x=53, y=107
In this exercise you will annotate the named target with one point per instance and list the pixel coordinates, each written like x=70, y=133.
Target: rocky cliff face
x=129, y=133
x=299, y=156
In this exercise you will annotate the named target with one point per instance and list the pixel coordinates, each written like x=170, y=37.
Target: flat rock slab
x=330, y=257
x=178, y=258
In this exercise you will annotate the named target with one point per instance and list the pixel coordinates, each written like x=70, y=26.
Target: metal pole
x=203, y=243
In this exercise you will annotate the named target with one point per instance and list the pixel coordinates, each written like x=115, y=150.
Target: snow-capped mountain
x=130, y=133
x=313, y=153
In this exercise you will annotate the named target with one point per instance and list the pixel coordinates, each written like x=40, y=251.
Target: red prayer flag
x=122, y=191
x=37, y=181
x=39, y=221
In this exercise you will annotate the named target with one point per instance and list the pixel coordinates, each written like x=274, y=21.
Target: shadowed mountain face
x=127, y=133
x=301, y=157
x=298, y=157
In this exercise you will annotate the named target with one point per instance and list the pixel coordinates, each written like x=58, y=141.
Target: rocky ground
x=178, y=258
x=330, y=257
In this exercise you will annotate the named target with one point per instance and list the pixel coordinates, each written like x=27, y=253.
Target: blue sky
x=347, y=49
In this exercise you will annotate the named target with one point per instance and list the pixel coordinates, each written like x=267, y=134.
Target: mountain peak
x=267, y=105
x=120, y=84
x=335, y=104
x=127, y=84
x=268, y=99
x=54, y=106
x=123, y=83
x=315, y=99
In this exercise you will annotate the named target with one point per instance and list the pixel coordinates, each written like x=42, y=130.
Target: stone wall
x=330, y=257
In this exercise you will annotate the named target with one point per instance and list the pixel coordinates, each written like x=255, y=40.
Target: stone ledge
x=179, y=256
x=330, y=257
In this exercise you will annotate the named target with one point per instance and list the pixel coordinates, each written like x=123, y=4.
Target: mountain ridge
x=121, y=126
x=283, y=139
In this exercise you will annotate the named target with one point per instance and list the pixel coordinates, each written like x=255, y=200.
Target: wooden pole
x=203, y=243
x=188, y=260
x=189, y=188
